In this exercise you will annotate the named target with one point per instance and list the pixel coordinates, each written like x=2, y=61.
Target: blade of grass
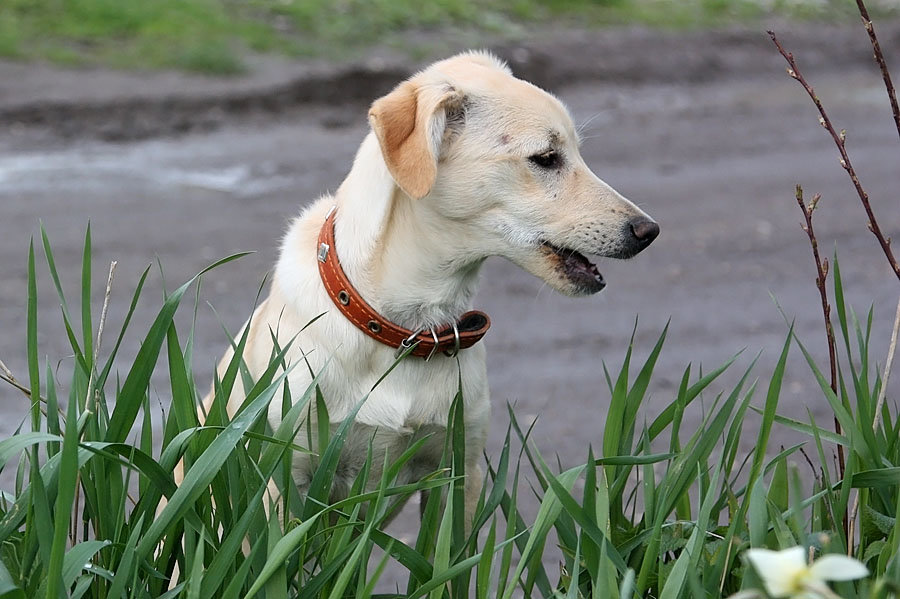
x=485, y=566
x=581, y=515
x=197, y=479
x=661, y=422
x=87, y=328
x=125, y=571
x=34, y=375
x=636, y=394
x=14, y=445
x=68, y=479
x=67, y=320
x=612, y=431
x=195, y=577
x=78, y=557
x=456, y=569
x=8, y=588
x=280, y=552
x=547, y=514
x=691, y=554
x=217, y=571
x=129, y=398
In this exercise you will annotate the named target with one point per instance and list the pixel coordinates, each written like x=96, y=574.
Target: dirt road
x=713, y=159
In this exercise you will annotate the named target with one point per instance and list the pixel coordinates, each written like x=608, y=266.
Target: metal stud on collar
x=323, y=252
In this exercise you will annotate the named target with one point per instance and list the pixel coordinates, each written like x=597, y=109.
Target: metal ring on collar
x=455, y=351
x=407, y=343
x=434, y=335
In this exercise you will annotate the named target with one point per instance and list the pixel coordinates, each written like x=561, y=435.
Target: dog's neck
x=403, y=258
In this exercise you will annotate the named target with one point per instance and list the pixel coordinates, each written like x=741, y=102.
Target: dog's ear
x=410, y=123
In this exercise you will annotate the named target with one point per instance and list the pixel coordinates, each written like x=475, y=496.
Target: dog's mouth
x=576, y=267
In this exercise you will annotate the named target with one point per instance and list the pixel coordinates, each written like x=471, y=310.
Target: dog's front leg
x=474, y=476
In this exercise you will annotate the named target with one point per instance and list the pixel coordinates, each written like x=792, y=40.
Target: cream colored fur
x=442, y=182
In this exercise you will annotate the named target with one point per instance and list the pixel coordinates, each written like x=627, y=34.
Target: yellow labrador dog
x=464, y=161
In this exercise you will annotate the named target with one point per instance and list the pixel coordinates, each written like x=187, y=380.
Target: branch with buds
x=879, y=58
x=840, y=139
x=821, y=275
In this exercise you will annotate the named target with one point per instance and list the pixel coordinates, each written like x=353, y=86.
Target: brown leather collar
x=465, y=332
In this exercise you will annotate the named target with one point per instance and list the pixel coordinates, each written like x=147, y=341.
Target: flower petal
x=767, y=560
x=780, y=571
x=816, y=590
x=837, y=567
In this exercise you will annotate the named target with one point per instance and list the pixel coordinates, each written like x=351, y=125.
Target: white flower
x=786, y=574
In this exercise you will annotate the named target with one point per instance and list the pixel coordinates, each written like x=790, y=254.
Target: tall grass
x=662, y=511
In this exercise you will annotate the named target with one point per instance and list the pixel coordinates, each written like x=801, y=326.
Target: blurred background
x=187, y=130
x=218, y=37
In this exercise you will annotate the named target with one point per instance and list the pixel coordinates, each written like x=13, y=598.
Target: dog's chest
x=413, y=395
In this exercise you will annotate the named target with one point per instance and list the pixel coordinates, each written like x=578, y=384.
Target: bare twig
x=839, y=141
x=821, y=274
x=885, y=243
x=895, y=110
x=809, y=463
x=879, y=58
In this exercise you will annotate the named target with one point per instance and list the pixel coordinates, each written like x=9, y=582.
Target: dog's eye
x=550, y=159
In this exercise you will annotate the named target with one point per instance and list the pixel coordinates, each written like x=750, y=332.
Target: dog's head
x=480, y=147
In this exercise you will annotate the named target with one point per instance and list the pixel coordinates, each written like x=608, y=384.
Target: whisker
x=538, y=292
x=587, y=123
x=588, y=137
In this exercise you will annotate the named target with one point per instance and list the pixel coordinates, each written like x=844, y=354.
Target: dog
x=463, y=161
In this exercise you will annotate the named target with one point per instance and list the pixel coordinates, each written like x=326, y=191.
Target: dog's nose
x=645, y=230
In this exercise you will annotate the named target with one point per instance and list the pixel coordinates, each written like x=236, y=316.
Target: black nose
x=645, y=230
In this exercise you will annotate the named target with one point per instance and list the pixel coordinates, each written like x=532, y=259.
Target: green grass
x=215, y=36
x=662, y=511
